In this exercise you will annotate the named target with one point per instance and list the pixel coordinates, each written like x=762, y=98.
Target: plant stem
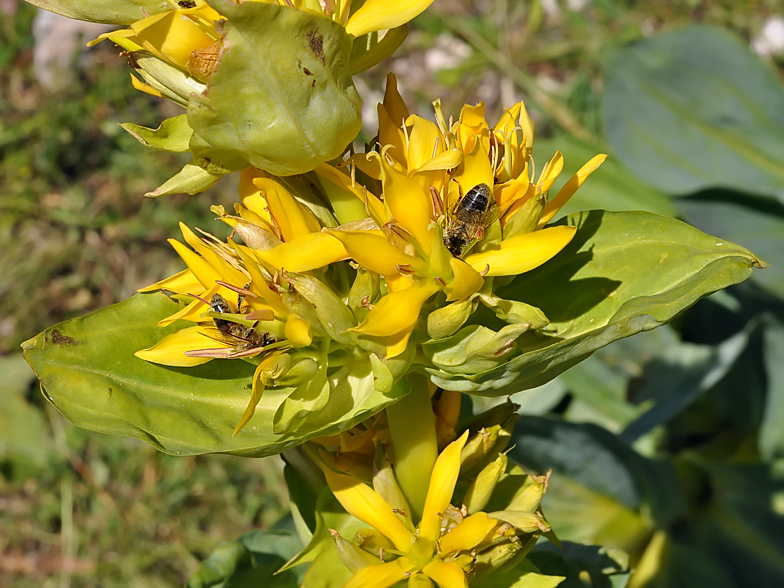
x=412, y=428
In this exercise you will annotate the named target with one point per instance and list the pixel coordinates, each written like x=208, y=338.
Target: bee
x=243, y=338
x=186, y=4
x=468, y=218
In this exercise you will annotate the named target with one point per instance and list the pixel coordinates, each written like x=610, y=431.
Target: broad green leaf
x=329, y=515
x=280, y=96
x=751, y=222
x=694, y=109
x=191, y=179
x=742, y=523
x=611, y=187
x=599, y=461
x=251, y=560
x=601, y=567
x=771, y=434
x=327, y=571
x=623, y=273
x=669, y=562
x=24, y=432
x=173, y=134
x=88, y=371
x=116, y=12
x=682, y=375
x=523, y=575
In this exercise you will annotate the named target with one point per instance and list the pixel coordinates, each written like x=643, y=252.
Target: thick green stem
x=412, y=428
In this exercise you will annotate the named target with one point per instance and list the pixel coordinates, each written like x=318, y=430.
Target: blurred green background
x=692, y=415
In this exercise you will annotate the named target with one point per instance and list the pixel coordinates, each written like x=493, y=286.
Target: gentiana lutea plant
x=360, y=296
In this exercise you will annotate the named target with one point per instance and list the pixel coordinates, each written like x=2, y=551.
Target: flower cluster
x=265, y=83
x=449, y=544
x=332, y=271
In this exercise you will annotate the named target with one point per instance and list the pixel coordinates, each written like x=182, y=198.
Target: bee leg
x=241, y=299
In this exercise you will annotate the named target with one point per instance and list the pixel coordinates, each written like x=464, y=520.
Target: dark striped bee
x=468, y=218
x=244, y=338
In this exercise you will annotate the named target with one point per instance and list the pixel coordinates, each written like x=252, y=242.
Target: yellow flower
x=233, y=295
x=187, y=38
x=459, y=207
x=429, y=553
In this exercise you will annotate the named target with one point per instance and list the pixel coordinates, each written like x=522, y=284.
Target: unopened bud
x=352, y=556
x=480, y=491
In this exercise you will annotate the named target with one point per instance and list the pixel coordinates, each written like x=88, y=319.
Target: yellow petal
x=251, y=195
x=510, y=192
x=476, y=169
x=375, y=15
x=423, y=140
x=307, y=252
x=380, y=576
x=466, y=281
x=409, y=204
x=442, y=161
x=442, y=486
x=569, y=188
x=257, y=390
x=368, y=506
x=473, y=126
x=506, y=124
x=446, y=575
x=550, y=173
x=144, y=87
x=298, y=331
x=227, y=271
x=390, y=132
x=171, y=36
x=529, y=193
x=293, y=218
x=397, y=311
x=467, y=534
x=393, y=101
x=258, y=283
x=528, y=127
x=202, y=270
x=181, y=282
x=522, y=253
x=376, y=253
x=171, y=349
x=374, y=205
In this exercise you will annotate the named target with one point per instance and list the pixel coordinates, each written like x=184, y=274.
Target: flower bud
x=280, y=95
x=353, y=557
x=481, y=489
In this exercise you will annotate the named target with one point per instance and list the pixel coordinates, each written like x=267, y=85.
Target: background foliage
x=668, y=445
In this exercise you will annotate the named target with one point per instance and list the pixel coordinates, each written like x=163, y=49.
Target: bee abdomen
x=476, y=199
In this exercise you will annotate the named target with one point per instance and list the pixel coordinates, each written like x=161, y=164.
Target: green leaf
x=251, y=560
x=604, y=568
x=369, y=50
x=693, y=109
x=173, y=134
x=771, y=434
x=191, y=179
x=88, y=371
x=329, y=515
x=623, y=273
x=687, y=372
x=611, y=187
x=280, y=96
x=116, y=12
x=524, y=575
x=756, y=224
x=24, y=432
x=598, y=460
